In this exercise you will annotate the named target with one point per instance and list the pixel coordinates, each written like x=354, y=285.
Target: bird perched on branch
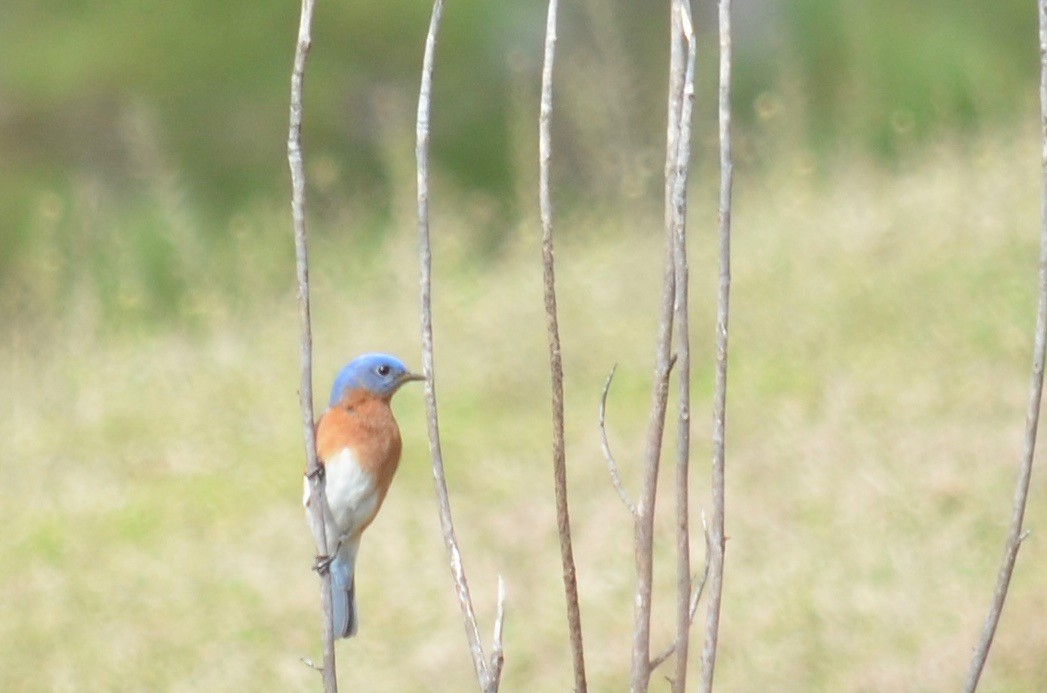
x=358, y=446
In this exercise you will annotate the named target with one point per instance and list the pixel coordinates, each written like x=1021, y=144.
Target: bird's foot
x=323, y=564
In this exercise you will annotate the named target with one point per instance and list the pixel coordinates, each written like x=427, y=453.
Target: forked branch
x=644, y=526
x=488, y=672
x=696, y=592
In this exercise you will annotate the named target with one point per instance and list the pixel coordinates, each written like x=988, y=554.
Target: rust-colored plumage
x=358, y=444
x=362, y=422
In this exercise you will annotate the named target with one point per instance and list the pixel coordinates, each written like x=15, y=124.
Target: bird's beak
x=410, y=377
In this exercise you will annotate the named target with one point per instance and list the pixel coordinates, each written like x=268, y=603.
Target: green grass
x=881, y=330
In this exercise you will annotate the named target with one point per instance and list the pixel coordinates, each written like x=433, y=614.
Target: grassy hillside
x=880, y=347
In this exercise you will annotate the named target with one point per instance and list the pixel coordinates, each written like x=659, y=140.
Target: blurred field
x=881, y=333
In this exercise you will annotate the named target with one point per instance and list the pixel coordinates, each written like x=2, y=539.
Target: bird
x=358, y=447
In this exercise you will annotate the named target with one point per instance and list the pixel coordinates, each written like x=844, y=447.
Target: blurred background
x=885, y=255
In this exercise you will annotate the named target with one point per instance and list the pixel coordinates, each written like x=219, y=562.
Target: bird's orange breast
x=365, y=424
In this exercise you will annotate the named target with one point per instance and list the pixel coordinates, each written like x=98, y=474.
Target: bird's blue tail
x=343, y=592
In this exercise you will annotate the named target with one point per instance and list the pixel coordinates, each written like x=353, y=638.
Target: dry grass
x=882, y=326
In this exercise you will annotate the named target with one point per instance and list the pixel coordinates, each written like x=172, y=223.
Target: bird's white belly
x=352, y=496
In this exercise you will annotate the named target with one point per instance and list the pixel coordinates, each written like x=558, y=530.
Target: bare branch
x=563, y=519
x=696, y=596
x=716, y=556
x=612, y=466
x=317, y=495
x=488, y=674
x=1015, y=535
x=644, y=525
x=644, y=531
x=497, y=650
x=683, y=448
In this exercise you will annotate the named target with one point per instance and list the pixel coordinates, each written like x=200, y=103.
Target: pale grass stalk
x=314, y=473
x=563, y=518
x=488, y=672
x=1015, y=533
x=682, y=23
x=717, y=545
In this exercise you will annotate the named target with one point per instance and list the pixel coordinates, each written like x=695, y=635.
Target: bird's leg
x=323, y=563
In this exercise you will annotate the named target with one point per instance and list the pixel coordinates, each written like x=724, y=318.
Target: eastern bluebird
x=358, y=446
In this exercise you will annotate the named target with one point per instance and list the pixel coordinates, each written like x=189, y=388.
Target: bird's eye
x=383, y=370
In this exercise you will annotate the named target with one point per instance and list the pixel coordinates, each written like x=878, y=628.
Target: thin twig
x=641, y=669
x=497, y=649
x=488, y=674
x=682, y=15
x=644, y=526
x=563, y=518
x=696, y=596
x=612, y=466
x=317, y=495
x=1015, y=535
x=712, y=624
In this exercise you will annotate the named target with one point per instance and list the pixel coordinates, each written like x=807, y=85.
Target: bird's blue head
x=380, y=374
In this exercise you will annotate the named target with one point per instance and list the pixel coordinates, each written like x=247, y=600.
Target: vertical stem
x=317, y=496
x=644, y=531
x=716, y=557
x=683, y=342
x=563, y=519
x=644, y=526
x=488, y=675
x=1015, y=534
